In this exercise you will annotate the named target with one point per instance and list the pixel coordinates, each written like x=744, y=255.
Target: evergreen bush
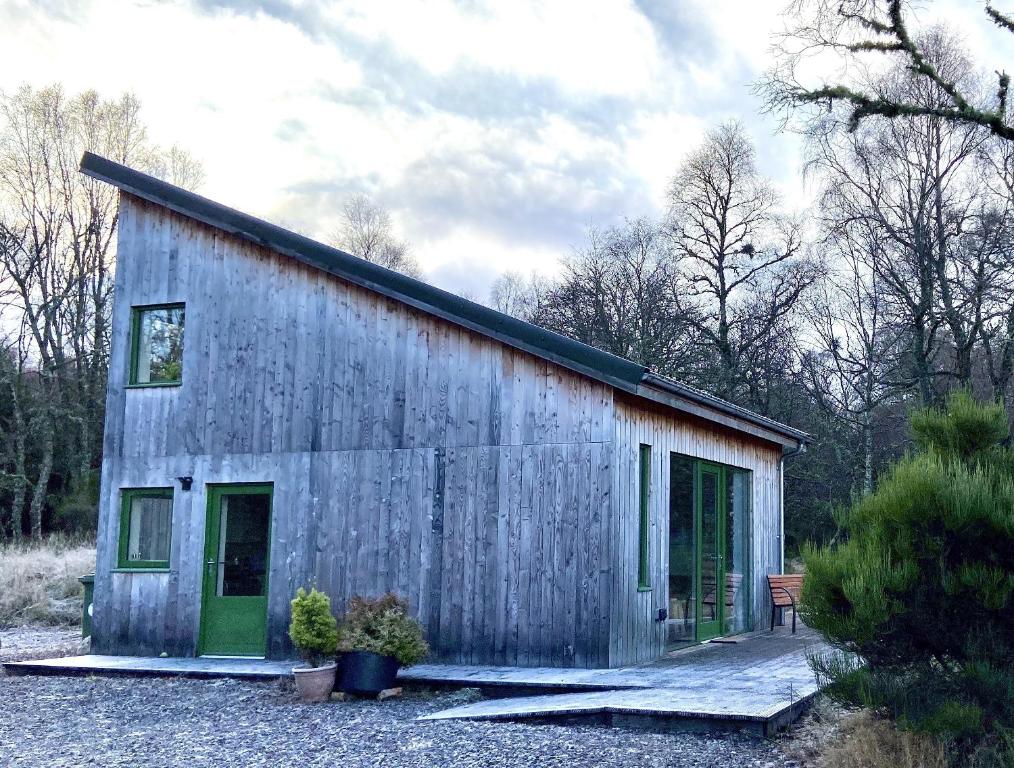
x=313, y=629
x=919, y=598
x=382, y=625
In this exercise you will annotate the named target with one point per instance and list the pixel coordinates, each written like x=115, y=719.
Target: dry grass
x=39, y=582
x=865, y=741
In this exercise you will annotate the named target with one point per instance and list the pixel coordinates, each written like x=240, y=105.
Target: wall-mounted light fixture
x=185, y=482
x=663, y=614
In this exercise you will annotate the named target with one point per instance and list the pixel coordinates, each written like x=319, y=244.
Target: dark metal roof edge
x=723, y=406
x=583, y=358
x=590, y=361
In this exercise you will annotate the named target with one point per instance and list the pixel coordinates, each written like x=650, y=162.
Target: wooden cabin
x=281, y=414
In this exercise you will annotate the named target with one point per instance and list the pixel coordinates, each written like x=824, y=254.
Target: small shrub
x=382, y=625
x=313, y=629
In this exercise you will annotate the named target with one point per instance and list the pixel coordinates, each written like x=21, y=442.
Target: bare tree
x=56, y=276
x=742, y=268
x=616, y=293
x=904, y=195
x=856, y=31
x=853, y=355
x=366, y=231
x=514, y=294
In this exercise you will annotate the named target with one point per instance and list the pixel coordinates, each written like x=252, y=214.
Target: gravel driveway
x=60, y=722
x=152, y=722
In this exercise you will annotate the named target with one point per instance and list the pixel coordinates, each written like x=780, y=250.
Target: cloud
x=495, y=133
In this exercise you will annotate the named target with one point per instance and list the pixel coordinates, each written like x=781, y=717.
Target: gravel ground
x=22, y=643
x=51, y=721
x=60, y=722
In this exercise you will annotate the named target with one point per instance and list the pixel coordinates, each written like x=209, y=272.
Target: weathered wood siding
x=406, y=453
x=635, y=634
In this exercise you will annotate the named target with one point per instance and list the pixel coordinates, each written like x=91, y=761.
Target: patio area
x=758, y=684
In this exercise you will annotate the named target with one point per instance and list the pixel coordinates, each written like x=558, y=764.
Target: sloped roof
x=611, y=369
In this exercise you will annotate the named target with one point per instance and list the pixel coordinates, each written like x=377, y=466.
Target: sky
x=495, y=133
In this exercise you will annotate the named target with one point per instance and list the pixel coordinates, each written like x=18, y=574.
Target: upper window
x=156, y=350
x=146, y=522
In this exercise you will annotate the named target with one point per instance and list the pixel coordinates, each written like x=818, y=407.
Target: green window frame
x=127, y=498
x=137, y=315
x=644, y=521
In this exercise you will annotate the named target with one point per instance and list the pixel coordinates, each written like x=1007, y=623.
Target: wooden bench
x=786, y=590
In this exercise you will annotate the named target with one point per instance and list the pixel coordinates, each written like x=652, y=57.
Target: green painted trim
x=715, y=626
x=140, y=570
x=127, y=495
x=135, y=342
x=215, y=491
x=644, y=521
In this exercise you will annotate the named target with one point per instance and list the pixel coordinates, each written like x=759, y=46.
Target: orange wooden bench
x=785, y=593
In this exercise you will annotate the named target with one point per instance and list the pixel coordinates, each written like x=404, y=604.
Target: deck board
x=759, y=684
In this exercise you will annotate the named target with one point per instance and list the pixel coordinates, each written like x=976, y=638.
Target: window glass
x=146, y=528
x=158, y=345
x=682, y=624
x=737, y=551
x=644, y=520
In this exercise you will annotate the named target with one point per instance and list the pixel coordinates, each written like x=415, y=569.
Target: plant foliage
x=919, y=599
x=313, y=629
x=382, y=625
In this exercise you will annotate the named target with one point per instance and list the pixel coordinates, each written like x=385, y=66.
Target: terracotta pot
x=315, y=683
x=366, y=673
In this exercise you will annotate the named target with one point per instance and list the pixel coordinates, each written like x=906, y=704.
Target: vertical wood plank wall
x=406, y=454
x=635, y=635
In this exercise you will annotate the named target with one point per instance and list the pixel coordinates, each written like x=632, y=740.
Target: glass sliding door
x=682, y=625
x=711, y=572
x=738, y=550
x=710, y=550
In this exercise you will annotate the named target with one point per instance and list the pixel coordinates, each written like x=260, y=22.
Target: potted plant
x=314, y=632
x=377, y=637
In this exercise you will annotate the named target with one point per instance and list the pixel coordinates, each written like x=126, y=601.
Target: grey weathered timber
x=635, y=635
x=494, y=488
x=396, y=443
x=765, y=682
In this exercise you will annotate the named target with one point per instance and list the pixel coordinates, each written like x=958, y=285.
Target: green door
x=235, y=597
x=711, y=550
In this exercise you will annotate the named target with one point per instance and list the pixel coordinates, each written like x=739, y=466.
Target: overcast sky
x=496, y=133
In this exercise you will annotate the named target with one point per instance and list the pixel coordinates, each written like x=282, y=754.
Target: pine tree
x=919, y=599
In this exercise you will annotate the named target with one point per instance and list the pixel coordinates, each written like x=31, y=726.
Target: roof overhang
x=589, y=361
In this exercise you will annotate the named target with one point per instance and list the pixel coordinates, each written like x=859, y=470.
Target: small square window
x=146, y=522
x=156, y=352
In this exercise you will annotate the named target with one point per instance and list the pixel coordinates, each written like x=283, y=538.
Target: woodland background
x=892, y=289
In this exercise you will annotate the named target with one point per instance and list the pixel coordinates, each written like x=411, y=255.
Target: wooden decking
x=759, y=684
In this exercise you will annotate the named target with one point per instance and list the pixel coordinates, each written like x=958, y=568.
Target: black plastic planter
x=366, y=673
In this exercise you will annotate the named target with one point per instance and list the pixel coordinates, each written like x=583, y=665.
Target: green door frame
x=251, y=611
x=714, y=625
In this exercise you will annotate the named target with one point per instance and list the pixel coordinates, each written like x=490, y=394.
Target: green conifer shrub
x=919, y=598
x=313, y=629
x=382, y=625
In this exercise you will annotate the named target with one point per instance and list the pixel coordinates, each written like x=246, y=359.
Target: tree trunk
x=42, y=481
x=867, y=453
x=20, y=468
